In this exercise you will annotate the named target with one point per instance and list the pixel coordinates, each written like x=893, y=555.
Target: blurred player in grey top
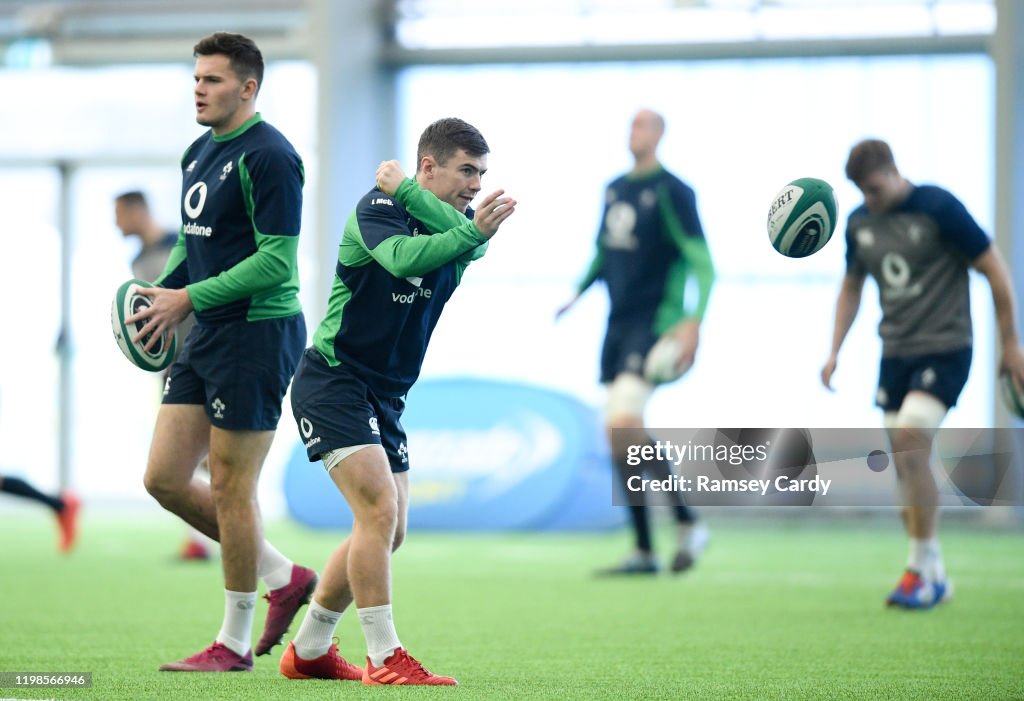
x=133, y=217
x=918, y=243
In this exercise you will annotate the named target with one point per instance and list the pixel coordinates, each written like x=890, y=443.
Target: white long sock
x=379, y=629
x=917, y=558
x=236, y=631
x=936, y=567
x=275, y=569
x=316, y=631
x=926, y=558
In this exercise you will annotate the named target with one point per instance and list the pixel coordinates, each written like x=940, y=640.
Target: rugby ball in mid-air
x=127, y=301
x=802, y=217
x=1011, y=397
x=662, y=362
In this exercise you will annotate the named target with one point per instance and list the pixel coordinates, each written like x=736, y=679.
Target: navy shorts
x=942, y=375
x=239, y=371
x=625, y=347
x=334, y=409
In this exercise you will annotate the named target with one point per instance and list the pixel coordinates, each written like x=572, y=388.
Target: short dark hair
x=868, y=156
x=445, y=136
x=245, y=57
x=132, y=198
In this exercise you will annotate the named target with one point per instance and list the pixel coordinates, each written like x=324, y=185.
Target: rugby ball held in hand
x=802, y=217
x=662, y=362
x=127, y=301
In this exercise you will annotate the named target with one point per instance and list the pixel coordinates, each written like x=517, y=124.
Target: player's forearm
x=990, y=264
x=593, y=272
x=847, y=306
x=426, y=207
x=1006, y=308
x=698, y=257
x=274, y=263
x=415, y=256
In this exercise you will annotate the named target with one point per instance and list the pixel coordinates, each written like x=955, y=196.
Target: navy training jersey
x=919, y=253
x=241, y=212
x=399, y=262
x=649, y=243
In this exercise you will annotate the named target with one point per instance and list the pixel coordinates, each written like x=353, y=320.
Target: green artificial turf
x=772, y=611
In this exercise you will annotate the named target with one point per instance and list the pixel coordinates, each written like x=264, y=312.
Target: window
x=737, y=132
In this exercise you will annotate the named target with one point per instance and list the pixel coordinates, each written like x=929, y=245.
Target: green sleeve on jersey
x=695, y=261
x=593, y=272
x=270, y=276
x=438, y=216
x=274, y=264
x=175, y=274
x=425, y=206
x=463, y=261
x=175, y=259
x=414, y=256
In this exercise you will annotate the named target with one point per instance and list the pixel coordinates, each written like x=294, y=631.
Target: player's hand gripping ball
x=663, y=363
x=127, y=301
x=802, y=217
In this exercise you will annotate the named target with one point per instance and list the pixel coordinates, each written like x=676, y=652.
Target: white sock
x=315, y=633
x=926, y=558
x=936, y=568
x=917, y=558
x=275, y=569
x=379, y=629
x=692, y=538
x=236, y=631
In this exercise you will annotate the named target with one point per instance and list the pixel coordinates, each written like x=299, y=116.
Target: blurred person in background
x=650, y=244
x=65, y=507
x=918, y=242
x=133, y=217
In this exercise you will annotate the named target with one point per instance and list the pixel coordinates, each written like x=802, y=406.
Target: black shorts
x=239, y=371
x=942, y=375
x=333, y=408
x=625, y=347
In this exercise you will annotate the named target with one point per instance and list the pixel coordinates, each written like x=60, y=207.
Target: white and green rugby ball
x=127, y=301
x=802, y=217
x=1011, y=397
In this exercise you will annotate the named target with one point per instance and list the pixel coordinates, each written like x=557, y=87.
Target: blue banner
x=485, y=455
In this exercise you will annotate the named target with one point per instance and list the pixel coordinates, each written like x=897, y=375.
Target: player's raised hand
x=389, y=176
x=166, y=311
x=492, y=212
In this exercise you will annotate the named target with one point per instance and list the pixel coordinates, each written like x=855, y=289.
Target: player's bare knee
x=907, y=439
x=166, y=492
x=379, y=513
x=231, y=488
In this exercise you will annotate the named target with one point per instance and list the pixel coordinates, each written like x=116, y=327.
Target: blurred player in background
x=403, y=253
x=235, y=265
x=918, y=243
x=133, y=217
x=64, y=506
x=649, y=245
